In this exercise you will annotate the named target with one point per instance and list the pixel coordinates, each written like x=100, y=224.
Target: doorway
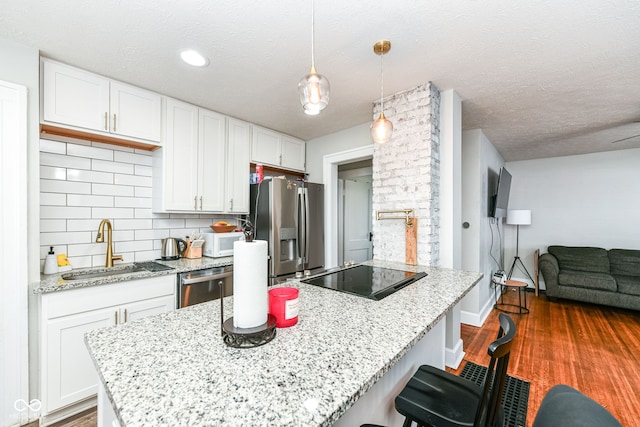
x=354, y=211
x=330, y=163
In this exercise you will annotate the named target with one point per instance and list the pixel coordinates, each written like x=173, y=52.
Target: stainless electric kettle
x=172, y=248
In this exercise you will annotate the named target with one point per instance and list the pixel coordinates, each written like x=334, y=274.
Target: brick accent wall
x=406, y=173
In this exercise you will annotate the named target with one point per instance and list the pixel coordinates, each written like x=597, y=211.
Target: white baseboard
x=477, y=319
x=453, y=356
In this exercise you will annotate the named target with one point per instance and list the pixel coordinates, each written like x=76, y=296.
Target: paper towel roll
x=250, y=296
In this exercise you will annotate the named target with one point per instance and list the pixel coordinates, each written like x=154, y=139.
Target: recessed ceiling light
x=192, y=57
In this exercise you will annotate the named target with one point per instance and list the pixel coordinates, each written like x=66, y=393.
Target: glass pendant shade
x=314, y=92
x=381, y=129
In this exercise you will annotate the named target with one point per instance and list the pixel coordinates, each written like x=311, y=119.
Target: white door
x=134, y=112
x=293, y=153
x=238, y=146
x=14, y=380
x=212, y=154
x=357, y=221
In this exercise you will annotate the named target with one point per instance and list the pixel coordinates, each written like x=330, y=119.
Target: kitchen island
x=173, y=369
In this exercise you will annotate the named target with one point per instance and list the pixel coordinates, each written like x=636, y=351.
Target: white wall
x=586, y=200
x=19, y=65
x=481, y=241
x=316, y=149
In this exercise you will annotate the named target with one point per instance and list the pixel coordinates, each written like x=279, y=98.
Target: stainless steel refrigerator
x=289, y=215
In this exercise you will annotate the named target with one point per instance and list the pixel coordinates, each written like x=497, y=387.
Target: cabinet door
x=75, y=97
x=180, y=156
x=211, y=161
x=293, y=153
x=238, y=146
x=149, y=307
x=265, y=146
x=70, y=373
x=135, y=112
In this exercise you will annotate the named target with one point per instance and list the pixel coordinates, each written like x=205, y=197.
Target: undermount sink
x=91, y=274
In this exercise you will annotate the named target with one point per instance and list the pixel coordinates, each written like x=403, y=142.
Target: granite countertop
x=174, y=370
x=55, y=282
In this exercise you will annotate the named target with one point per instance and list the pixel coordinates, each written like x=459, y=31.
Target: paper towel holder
x=245, y=337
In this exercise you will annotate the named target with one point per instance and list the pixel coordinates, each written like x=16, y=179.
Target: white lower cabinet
x=68, y=376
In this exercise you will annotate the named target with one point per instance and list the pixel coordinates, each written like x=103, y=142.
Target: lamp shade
x=519, y=217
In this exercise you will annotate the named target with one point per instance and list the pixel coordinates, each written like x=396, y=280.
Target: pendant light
x=381, y=129
x=313, y=88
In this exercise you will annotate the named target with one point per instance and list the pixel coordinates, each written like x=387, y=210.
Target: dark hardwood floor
x=589, y=347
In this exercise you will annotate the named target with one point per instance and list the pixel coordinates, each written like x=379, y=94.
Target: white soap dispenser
x=50, y=262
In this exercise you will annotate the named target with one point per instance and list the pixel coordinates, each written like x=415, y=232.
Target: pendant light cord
x=313, y=65
x=381, y=83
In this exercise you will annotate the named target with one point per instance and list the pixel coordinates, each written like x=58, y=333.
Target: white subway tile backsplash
x=133, y=246
x=169, y=223
x=143, y=170
x=66, y=238
x=111, y=213
x=112, y=190
x=95, y=181
x=122, y=235
x=47, y=146
x=88, y=200
x=132, y=224
x=90, y=152
x=64, y=212
x=53, y=199
x=52, y=225
x=144, y=213
x=83, y=224
x=114, y=167
x=90, y=176
x=135, y=158
x=60, y=160
x=132, y=202
x=50, y=172
x=151, y=234
x=135, y=180
x=143, y=192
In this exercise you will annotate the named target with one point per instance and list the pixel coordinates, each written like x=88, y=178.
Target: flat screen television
x=500, y=200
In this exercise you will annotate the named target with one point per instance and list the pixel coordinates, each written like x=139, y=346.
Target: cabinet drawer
x=92, y=298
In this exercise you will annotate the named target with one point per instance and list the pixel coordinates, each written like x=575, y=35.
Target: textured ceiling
x=541, y=78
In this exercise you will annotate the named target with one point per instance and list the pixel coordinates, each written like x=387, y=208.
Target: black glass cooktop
x=366, y=281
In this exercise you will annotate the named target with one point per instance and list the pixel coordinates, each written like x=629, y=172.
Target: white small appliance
x=218, y=245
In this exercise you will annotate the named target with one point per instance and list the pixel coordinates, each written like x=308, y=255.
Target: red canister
x=283, y=305
x=260, y=172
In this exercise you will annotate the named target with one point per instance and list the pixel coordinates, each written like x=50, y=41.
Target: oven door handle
x=201, y=279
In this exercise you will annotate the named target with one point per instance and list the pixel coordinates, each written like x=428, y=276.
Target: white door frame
x=14, y=281
x=330, y=164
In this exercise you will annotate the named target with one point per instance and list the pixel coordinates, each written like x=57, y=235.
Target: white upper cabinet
x=239, y=146
x=81, y=100
x=202, y=166
x=275, y=149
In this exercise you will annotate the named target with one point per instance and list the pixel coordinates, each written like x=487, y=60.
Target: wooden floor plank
x=589, y=347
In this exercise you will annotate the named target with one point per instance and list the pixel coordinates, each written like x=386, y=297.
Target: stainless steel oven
x=200, y=286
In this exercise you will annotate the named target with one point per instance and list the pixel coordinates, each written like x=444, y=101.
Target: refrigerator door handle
x=300, y=227
x=306, y=227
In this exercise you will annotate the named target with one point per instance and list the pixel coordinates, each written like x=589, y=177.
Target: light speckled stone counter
x=55, y=282
x=174, y=370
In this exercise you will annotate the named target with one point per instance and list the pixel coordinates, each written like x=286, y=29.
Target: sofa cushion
x=581, y=258
x=625, y=262
x=629, y=285
x=586, y=279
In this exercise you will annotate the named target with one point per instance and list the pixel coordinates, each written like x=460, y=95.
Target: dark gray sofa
x=595, y=275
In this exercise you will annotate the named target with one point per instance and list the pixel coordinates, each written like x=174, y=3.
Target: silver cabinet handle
x=125, y=315
x=231, y=204
x=200, y=202
x=106, y=121
x=114, y=122
x=195, y=203
x=116, y=317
